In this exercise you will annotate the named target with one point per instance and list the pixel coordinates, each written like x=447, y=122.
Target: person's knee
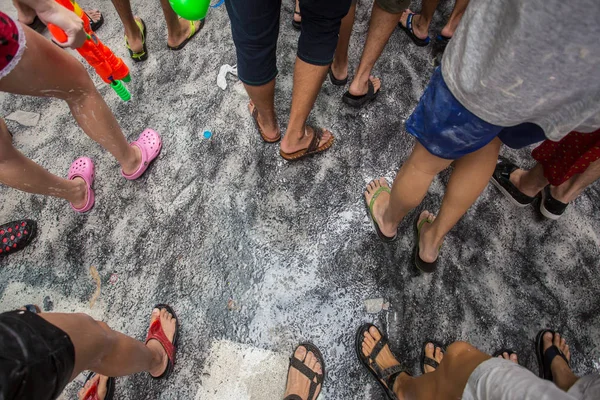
x=458, y=349
x=81, y=84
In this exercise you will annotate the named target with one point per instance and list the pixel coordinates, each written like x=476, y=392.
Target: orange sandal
x=313, y=147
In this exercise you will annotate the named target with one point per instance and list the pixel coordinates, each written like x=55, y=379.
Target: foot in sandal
x=377, y=197
x=554, y=358
x=269, y=130
x=296, y=146
x=187, y=30
x=305, y=374
x=162, y=345
x=433, y=354
x=97, y=387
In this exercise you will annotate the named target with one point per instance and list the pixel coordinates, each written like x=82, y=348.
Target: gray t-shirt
x=515, y=61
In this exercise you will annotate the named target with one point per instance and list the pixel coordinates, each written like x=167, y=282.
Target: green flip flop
x=193, y=32
x=419, y=263
x=373, y=221
x=142, y=55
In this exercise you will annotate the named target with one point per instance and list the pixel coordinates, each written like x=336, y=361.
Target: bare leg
x=178, y=28
x=308, y=79
x=529, y=182
x=104, y=351
x=572, y=188
x=132, y=31
x=21, y=173
x=422, y=20
x=263, y=98
x=47, y=71
x=380, y=29
x=340, y=59
x=470, y=176
x=457, y=12
x=409, y=188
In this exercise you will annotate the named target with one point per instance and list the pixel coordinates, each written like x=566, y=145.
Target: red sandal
x=156, y=332
x=92, y=392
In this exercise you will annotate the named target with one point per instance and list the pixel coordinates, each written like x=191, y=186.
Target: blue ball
x=207, y=134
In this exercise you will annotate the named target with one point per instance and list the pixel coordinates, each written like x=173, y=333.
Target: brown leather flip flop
x=254, y=114
x=313, y=147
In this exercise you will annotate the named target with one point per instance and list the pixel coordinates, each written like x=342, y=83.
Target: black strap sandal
x=544, y=358
x=359, y=101
x=408, y=29
x=500, y=352
x=307, y=372
x=92, y=392
x=336, y=81
x=16, y=235
x=297, y=24
x=385, y=377
x=430, y=361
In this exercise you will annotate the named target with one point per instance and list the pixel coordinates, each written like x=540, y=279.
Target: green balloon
x=192, y=10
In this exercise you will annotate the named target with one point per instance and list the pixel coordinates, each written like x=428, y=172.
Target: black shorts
x=36, y=358
x=255, y=29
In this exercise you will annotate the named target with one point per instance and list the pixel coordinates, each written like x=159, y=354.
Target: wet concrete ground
x=287, y=246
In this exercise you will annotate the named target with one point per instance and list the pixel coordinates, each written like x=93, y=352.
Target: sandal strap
x=552, y=352
x=156, y=332
x=431, y=362
x=376, y=194
x=307, y=372
x=391, y=380
x=370, y=88
x=314, y=143
x=375, y=352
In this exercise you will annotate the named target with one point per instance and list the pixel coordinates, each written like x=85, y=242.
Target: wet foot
x=420, y=31
x=102, y=382
x=168, y=325
x=183, y=32
x=435, y=353
x=380, y=206
x=512, y=357
x=358, y=88
x=429, y=247
x=292, y=143
x=270, y=130
x=134, y=39
x=385, y=359
x=297, y=383
x=562, y=375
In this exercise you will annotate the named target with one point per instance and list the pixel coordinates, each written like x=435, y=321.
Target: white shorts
x=500, y=379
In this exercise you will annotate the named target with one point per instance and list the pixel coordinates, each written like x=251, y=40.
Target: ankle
x=562, y=193
x=133, y=160
x=401, y=381
x=517, y=178
x=78, y=193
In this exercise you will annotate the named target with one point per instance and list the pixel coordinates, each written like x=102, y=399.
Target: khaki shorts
x=393, y=6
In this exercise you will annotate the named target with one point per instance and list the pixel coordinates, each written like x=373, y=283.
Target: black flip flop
x=95, y=25
x=16, y=235
x=388, y=375
x=110, y=386
x=37, y=25
x=297, y=24
x=359, y=101
x=307, y=372
x=500, y=352
x=182, y=44
x=171, y=363
x=430, y=361
x=336, y=81
x=408, y=29
x=544, y=358
x=419, y=263
x=369, y=205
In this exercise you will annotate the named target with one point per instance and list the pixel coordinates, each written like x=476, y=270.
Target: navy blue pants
x=255, y=29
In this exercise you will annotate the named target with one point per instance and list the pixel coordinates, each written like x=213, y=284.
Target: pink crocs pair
x=149, y=144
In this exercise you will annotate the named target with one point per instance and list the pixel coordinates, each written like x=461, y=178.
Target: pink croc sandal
x=83, y=168
x=149, y=144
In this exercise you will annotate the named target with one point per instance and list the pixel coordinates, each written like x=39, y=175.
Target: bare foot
x=134, y=39
x=512, y=357
x=358, y=88
x=385, y=359
x=168, y=325
x=183, y=32
x=429, y=248
x=562, y=375
x=297, y=382
x=380, y=206
x=102, y=387
x=435, y=353
x=271, y=130
x=420, y=31
x=292, y=143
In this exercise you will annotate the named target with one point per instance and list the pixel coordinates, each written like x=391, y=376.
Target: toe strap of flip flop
x=431, y=362
x=552, y=352
x=156, y=332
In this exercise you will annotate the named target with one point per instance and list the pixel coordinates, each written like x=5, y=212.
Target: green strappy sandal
x=142, y=55
x=193, y=32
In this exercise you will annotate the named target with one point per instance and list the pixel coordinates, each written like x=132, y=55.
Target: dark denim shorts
x=255, y=29
x=448, y=130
